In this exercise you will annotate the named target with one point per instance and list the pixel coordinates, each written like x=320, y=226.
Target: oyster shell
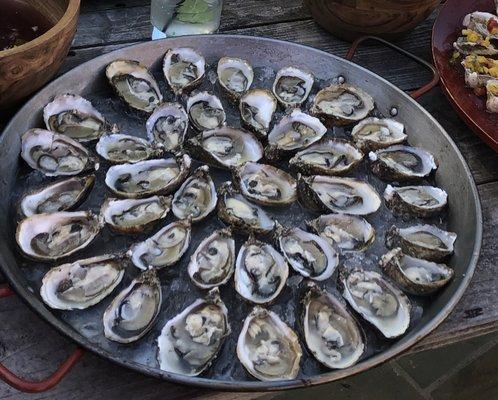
x=260, y=272
x=190, y=341
x=346, y=232
x=376, y=300
x=414, y=275
x=205, y=111
x=118, y=148
x=55, y=155
x=225, y=147
x=183, y=68
x=213, y=261
x=57, y=235
x=331, y=333
x=135, y=215
x=164, y=248
x=134, y=310
x=422, y=241
x=62, y=195
x=75, y=117
x=267, y=348
x=83, y=283
x=240, y=214
x=342, y=104
x=257, y=107
x=478, y=70
x=402, y=163
x=167, y=126
x=146, y=178
x=235, y=76
x=292, y=86
x=134, y=83
x=327, y=157
x=265, y=184
x=421, y=201
x=340, y=195
x=377, y=133
x=492, y=95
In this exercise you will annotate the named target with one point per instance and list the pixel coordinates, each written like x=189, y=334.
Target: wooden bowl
x=350, y=19
x=26, y=68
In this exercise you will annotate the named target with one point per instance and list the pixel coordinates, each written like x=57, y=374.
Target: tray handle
x=415, y=94
x=37, y=386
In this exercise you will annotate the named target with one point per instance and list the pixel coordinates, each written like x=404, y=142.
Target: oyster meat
x=292, y=86
x=421, y=201
x=257, y=107
x=377, y=133
x=205, y=111
x=118, y=148
x=183, y=68
x=235, y=76
x=167, y=126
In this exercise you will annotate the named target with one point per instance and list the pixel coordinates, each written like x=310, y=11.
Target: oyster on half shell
x=421, y=201
x=118, y=148
x=257, y=107
x=376, y=133
x=183, y=68
x=167, y=126
x=235, y=76
x=292, y=86
x=205, y=111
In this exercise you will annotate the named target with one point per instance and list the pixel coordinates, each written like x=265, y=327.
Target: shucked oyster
x=205, y=111
x=135, y=215
x=376, y=300
x=213, y=261
x=183, y=68
x=190, y=341
x=292, y=86
x=83, y=283
x=164, y=248
x=134, y=310
x=150, y=177
x=331, y=333
x=59, y=196
x=374, y=133
x=327, y=157
x=414, y=275
x=55, y=155
x=260, y=272
x=265, y=184
x=56, y=235
x=235, y=76
x=422, y=201
x=74, y=116
x=340, y=195
x=267, y=348
x=257, y=107
x=134, y=83
x=479, y=36
x=167, y=126
x=118, y=148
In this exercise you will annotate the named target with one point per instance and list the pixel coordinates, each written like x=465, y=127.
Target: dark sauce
x=20, y=23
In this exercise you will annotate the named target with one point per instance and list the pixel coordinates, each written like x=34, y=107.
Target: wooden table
x=32, y=348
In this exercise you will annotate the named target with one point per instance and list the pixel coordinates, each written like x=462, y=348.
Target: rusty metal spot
x=473, y=312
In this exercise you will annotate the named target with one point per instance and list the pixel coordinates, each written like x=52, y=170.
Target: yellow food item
x=482, y=65
x=474, y=37
x=492, y=88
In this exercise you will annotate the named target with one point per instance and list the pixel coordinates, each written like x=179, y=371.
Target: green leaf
x=194, y=11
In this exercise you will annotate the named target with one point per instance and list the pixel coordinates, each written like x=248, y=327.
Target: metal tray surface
x=267, y=56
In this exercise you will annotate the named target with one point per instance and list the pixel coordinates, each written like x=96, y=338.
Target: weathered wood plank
x=99, y=5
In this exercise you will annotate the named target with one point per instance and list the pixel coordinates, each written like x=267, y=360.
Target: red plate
x=471, y=108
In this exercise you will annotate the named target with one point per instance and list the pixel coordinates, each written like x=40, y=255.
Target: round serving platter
x=266, y=56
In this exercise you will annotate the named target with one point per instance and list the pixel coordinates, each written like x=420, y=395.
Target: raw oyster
x=118, y=148
x=422, y=241
x=205, y=111
x=197, y=196
x=346, y=232
x=167, y=126
x=292, y=133
x=134, y=310
x=260, y=272
x=57, y=235
x=331, y=333
x=402, y=163
x=183, y=68
x=308, y=254
x=240, y=214
x=146, y=178
x=257, y=107
x=327, y=157
x=292, y=86
x=135, y=215
x=265, y=184
x=484, y=23
x=74, y=116
x=422, y=201
x=492, y=95
x=225, y=147
x=213, y=261
x=479, y=36
x=342, y=104
x=164, y=248
x=414, y=275
x=479, y=70
x=55, y=155
x=134, y=83
x=190, y=341
x=83, y=283
x=62, y=195
x=267, y=348
x=376, y=300
x=235, y=76
x=374, y=133
x=340, y=195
